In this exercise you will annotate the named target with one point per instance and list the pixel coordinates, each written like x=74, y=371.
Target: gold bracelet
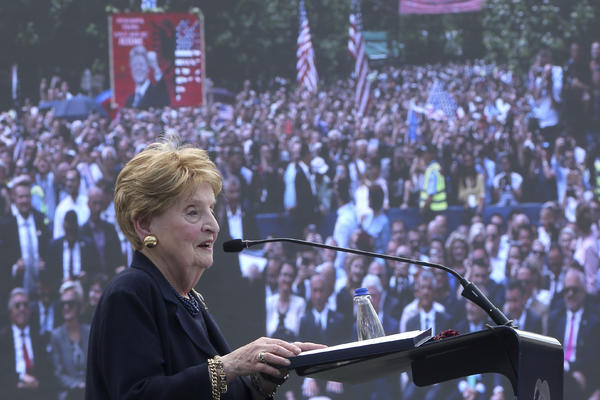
x=221, y=372
x=214, y=380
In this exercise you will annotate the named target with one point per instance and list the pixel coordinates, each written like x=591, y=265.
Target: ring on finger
x=261, y=357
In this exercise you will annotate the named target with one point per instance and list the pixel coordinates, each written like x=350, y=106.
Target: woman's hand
x=265, y=355
x=305, y=346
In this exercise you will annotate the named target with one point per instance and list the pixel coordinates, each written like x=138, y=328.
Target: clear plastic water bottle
x=368, y=324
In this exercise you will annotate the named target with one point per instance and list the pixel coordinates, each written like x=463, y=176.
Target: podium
x=532, y=363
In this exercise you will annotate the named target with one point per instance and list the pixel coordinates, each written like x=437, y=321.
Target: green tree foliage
x=48, y=37
x=256, y=39
x=515, y=30
x=245, y=39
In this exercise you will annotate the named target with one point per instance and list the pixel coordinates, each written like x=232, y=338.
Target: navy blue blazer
x=42, y=368
x=9, y=235
x=145, y=345
x=10, y=248
x=588, y=340
x=533, y=322
x=335, y=332
x=112, y=254
x=442, y=323
x=54, y=261
x=157, y=95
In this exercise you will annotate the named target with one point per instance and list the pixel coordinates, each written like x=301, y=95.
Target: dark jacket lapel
x=215, y=333
x=191, y=328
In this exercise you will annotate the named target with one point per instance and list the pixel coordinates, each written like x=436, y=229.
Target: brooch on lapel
x=199, y=296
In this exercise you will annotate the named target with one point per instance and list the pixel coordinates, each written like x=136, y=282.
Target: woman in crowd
x=457, y=251
x=97, y=284
x=586, y=247
x=69, y=344
x=285, y=309
x=356, y=269
x=163, y=342
x=476, y=235
x=471, y=187
x=513, y=261
x=566, y=241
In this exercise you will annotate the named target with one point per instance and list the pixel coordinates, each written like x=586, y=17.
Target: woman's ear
x=142, y=227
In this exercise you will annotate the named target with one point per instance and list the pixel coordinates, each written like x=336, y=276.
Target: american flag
x=307, y=76
x=356, y=45
x=440, y=103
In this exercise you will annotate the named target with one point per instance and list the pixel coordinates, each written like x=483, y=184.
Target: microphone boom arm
x=470, y=290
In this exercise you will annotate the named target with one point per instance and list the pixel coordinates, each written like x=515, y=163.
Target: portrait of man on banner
x=150, y=88
x=157, y=60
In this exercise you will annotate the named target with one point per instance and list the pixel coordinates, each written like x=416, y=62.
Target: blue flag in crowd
x=412, y=119
x=441, y=101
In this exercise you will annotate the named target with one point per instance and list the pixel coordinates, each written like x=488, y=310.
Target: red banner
x=439, y=6
x=157, y=59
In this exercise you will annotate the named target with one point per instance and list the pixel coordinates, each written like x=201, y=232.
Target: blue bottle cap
x=361, y=291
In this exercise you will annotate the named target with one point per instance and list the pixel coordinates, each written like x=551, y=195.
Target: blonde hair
x=453, y=238
x=152, y=180
x=75, y=286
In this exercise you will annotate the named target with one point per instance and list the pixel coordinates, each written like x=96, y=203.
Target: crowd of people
x=471, y=135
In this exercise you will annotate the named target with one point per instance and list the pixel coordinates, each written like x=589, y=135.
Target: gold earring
x=150, y=241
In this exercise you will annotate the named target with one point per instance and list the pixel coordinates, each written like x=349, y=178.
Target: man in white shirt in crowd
x=299, y=196
x=423, y=312
x=25, y=237
x=346, y=222
x=545, y=83
x=74, y=201
x=507, y=184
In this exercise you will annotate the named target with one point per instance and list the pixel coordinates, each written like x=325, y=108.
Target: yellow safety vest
x=36, y=190
x=438, y=202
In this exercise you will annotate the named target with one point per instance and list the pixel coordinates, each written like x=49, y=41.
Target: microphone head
x=233, y=246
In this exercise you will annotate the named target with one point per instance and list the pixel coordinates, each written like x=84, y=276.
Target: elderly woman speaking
x=152, y=336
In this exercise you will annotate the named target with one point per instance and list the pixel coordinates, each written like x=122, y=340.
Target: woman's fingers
x=292, y=347
x=305, y=346
x=274, y=359
x=270, y=370
x=284, y=351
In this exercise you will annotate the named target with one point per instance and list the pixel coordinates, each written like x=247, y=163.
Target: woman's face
x=285, y=279
x=459, y=251
x=94, y=294
x=358, y=270
x=187, y=230
x=70, y=306
x=513, y=260
x=564, y=240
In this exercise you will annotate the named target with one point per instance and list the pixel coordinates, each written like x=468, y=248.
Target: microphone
x=470, y=290
x=234, y=246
